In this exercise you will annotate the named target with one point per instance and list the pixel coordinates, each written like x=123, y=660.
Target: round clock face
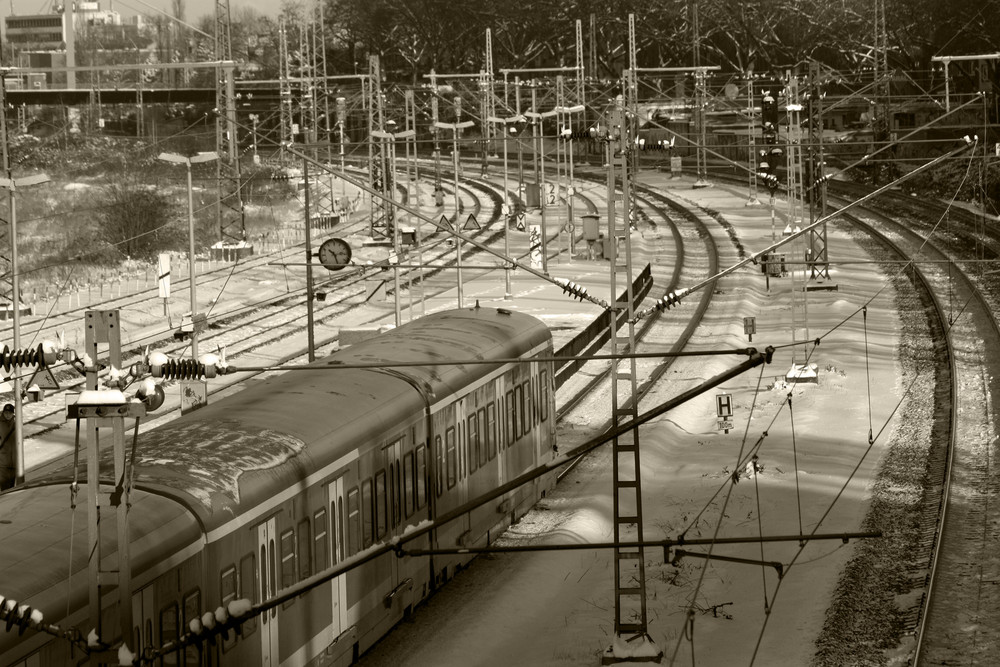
x=335, y=254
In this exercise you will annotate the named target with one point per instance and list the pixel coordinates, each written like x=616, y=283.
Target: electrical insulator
x=207, y=366
x=670, y=299
x=151, y=394
x=179, y=369
x=156, y=361
x=212, y=365
x=571, y=288
x=39, y=356
x=14, y=615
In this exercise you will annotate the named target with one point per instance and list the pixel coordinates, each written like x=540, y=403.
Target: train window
x=409, y=486
x=337, y=529
x=460, y=445
x=381, y=523
x=451, y=456
x=192, y=610
x=168, y=631
x=517, y=424
x=353, y=523
x=438, y=466
x=248, y=588
x=489, y=418
x=421, y=476
x=227, y=593
x=367, y=508
x=227, y=584
x=321, y=542
x=305, y=549
x=544, y=403
x=511, y=420
x=474, y=446
x=527, y=408
x=397, y=494
x=288, y=558
x=393, y=496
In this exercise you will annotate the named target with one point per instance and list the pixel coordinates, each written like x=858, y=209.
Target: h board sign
x=724, y=406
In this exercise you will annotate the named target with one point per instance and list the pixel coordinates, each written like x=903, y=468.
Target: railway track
x=952, y=569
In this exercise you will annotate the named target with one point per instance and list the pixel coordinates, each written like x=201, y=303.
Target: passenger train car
x=253, y=493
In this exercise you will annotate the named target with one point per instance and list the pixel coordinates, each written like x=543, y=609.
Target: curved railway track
x=953, y=566
x=936, y=588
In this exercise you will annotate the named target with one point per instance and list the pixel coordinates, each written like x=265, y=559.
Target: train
x=253, y=493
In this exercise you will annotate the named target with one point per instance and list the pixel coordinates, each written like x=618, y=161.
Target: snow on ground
x=557, y=608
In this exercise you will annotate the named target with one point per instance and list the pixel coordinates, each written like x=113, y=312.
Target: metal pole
x=16, y=322
x=458, y=239
x=570, y=193
x=191, y=264
x=506, y=217
x=395, y=229
x=310, y=323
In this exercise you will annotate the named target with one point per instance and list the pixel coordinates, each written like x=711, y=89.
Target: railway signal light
x=767, y=167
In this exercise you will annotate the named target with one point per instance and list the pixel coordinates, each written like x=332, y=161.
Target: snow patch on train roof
x=205, y=460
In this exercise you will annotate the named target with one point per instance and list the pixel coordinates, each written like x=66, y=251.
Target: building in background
x=93, y=36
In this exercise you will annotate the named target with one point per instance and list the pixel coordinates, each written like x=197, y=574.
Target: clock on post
x=334, y=254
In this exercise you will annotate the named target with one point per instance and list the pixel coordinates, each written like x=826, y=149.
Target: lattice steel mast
x=629, y=562
x=230, y=214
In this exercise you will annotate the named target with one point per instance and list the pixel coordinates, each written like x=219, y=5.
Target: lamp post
x=12, y=185
x=455, y=127
x=506, y=199
x=392, y=137
x=188, y=161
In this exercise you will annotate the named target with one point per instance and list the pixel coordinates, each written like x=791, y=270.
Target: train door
x=142, y=620
x=502, y=429
x=338, y=533
x=267, y=535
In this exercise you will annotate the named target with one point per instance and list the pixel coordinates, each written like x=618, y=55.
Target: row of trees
x=414, y=36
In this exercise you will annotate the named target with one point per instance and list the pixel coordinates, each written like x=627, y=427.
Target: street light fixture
x=174, y=158
x=392, y=137
x=12, y=184
x=455, y=127
x=506, y=198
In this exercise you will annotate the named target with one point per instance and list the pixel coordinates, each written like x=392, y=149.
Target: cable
x=795, y=460
x=868, y=375
x=830, y=507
